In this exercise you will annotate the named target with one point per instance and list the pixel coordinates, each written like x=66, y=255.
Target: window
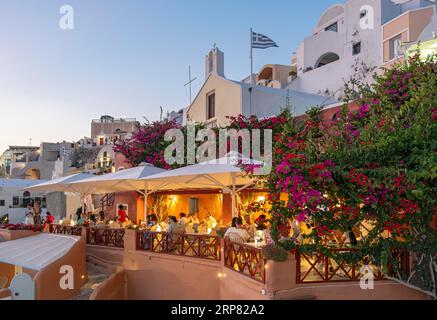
x=210, y=106
x=395, y=47
x=332, y=27
x=363, y=13
x=15, y=201
x=194, y=205
x=356, y=48
x=26, y=194
x=2, y=203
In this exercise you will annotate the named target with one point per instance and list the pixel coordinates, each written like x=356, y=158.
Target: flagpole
x=251, y=73
x=251, y=58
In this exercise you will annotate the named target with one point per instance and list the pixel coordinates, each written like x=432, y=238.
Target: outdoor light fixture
x=261, y=198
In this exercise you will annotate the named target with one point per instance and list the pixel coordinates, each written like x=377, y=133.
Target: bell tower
x=215, y=62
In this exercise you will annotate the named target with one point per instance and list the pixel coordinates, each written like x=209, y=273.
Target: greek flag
x=260, y=41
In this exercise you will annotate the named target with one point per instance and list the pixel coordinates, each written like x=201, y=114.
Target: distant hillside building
x=107, y=129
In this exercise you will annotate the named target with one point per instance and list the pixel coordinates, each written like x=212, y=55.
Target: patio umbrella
x=121, y=181
x=223, y=173
x=63, y=184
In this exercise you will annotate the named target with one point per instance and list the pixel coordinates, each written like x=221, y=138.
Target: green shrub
x=275, y=252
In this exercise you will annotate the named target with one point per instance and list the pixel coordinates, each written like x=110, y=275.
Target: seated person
x=193, y=219
x=175, y=230
x=183, y=218
x=211, y=222
x=93, y=219
x=236, y=233
x=101, y=217
x=152, y=220
x=249, y=226
x=348, y=238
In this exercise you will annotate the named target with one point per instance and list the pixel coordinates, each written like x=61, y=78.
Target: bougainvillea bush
x=147, y=144
x=374, y=172
x=22, y=226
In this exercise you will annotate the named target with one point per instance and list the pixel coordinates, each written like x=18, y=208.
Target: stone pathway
x=96, y=275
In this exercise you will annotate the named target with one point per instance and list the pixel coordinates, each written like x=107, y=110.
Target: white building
x=347, y=39
x=220, y=97
x=13, y=200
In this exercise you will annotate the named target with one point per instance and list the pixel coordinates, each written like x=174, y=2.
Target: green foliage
x=274, y=252
x=376, y=165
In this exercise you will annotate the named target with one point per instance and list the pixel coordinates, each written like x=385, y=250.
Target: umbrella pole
x=233, y=196
x=145, y=203
x=83, y=205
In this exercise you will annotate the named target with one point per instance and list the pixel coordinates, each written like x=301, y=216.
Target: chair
x=175, y=238
x=235, y=237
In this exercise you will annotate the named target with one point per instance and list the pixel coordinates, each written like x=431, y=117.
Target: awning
x=63, y=184
x=36, y=252
x=121, y=181
x=223, y=173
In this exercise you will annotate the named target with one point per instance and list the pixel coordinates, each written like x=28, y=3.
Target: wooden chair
x=235, y=237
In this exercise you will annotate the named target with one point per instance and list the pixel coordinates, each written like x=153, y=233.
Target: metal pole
x=251, y=59
x=145, y=202
x=83, y=205
x=233, y=196
x=251, y=73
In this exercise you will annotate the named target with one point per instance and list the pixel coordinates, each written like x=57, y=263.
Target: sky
x=126, y=58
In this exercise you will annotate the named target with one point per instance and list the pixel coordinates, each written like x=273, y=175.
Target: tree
x=375, y=166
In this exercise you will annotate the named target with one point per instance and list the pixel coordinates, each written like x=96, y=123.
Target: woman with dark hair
x=236, y=233
x=348, y=238
x=183, y=218
x=234, y=222
x=152, y=219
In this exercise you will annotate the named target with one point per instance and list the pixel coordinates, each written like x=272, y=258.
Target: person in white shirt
x=211, y=221
x=183, y=219
x=249, y=226
x=30, y=215
x=192, y=218
x=237, y=230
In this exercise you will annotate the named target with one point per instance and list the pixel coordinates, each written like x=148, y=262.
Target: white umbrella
x=63, y=184
x=223, y=173
x=121, y=181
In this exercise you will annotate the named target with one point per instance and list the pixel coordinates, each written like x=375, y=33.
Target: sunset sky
x=126, y=58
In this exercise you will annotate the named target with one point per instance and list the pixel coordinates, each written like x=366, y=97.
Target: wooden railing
x=316, y=267
x=245, y=259
x=68, y=230
x=188, y=245
x=105, y=237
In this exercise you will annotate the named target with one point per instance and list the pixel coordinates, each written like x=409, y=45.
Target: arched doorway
x=326, y=58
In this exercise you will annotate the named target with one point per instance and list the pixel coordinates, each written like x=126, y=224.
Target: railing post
x=84, y=234
x=130, y=239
